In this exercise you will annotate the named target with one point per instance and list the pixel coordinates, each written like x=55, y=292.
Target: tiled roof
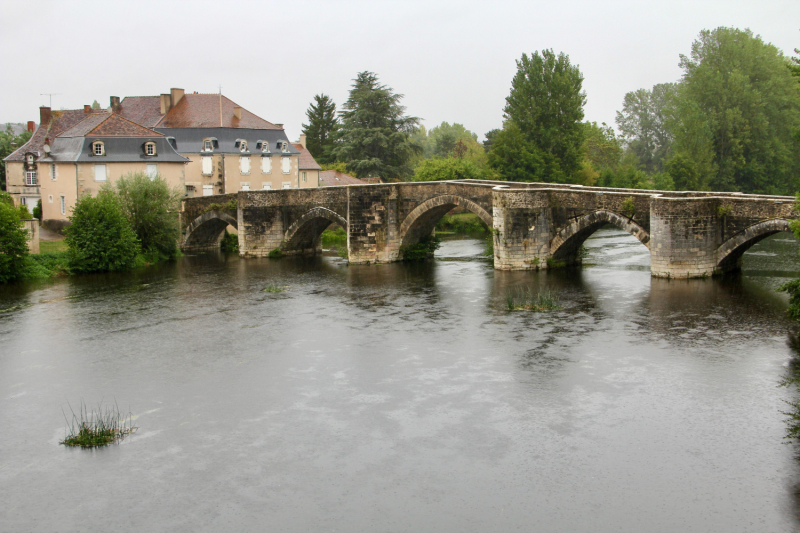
x=60, y=121
x=329, y=178
x=86, y=125
x=202, y=111
x=307, y=161
x=144, y=110
x=109, y=125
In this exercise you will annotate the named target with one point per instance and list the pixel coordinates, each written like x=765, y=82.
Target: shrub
x=421, y=250
x=275, y=254
x=37, y=211
x=151, y=207
x=447, y=169
x=13, y=243
x=100, y=238
x=230, y=243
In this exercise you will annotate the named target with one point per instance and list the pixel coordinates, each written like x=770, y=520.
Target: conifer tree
x=321, y=128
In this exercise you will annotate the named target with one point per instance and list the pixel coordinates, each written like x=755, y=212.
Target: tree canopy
x=9, y=141
x=321, y=128
x=375, y=134
x=13, y=241
x=643, y=124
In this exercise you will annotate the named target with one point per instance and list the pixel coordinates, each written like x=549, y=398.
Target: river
x=403, y=397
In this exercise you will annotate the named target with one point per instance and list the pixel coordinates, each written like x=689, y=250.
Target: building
x=332, y=178
x=309, y=168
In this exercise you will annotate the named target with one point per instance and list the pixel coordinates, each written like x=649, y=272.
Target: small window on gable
x=150, y=148
x=207, y=146
x=98, y=148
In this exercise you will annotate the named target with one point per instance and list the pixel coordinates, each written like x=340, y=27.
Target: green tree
x=95, y=105
x=487, y=144
x=321, y=128
x=545, y=106
x=13, y=241
x=602, y=148
x=375, y=135
x=447, y=169
x=9, y=141
x=737, y=112
x=442, y=139
x=643, y=124
x=151, y=207
x=100, y=238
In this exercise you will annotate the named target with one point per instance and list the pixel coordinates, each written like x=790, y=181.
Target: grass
x=46, y=265
x=101, y=427
x=526, y=300
x=462, y=223
x=274, y=288
x=52, y=247
x=331, y=237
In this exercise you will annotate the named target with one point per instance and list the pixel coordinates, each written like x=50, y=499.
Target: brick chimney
x=31, y=126
x=166, y=103
x=303, y=140
x=237, y=112
x=279, y=126
x=115, y=105
x=87, y=109
x=175, y=96
x=44, y=116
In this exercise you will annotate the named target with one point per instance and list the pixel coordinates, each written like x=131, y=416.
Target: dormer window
x=98, y=148
x=150, y=148
x=284, y=147
x=30, y=159
x=242, y=145
x=265, y=147
x=207, y=147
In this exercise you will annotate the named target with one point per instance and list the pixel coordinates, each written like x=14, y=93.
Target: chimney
x=115, y=105
x=44, y=116
x=31, y=126
x=87, y=109
x=175, y=96
x=280, y=126
x=166, y=103
x=237, y=112
x=303, y=140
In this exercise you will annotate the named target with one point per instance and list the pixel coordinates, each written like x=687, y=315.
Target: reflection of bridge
x=535, y=225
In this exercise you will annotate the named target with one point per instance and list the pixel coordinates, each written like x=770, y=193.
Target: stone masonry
x=534, y=225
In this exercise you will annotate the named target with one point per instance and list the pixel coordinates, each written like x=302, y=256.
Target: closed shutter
x=208, y=167
x=244, y=164
x=208, y=190
x=99, y=173
x=286, y=164
x=266, y=165
x=152, y=170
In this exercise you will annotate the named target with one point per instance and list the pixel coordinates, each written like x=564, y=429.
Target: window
x=99, y=173
x=287, y=184
x=284, y=147
x=98, y=148
x=150, y=148
x=266, y=165
x=245, y=185
x=23, y=201
x=242, y=146
x=266, y=186
x=152, y=170
x=63, y=206
x=244, y=165
x=30, y=178
x=208, y=165
x=53, y=172
x=286, y=165
x=265, y=147
x=207, y=145
x=208, y=190
x=304, y=177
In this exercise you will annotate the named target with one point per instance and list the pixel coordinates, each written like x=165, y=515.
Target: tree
x=152, y=209
x=375, y=134
x=545, y=106
x=9, y=141
x=643, y=124
x=447, y=169
x=740, y=105
x=601, y=147
x=321, y=128
x=100, y=238
x=95, y=105
x=442, y=139
x=487, y=144
x=13, y=241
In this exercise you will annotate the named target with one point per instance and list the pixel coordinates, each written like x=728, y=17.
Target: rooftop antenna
x=220, y=106
x=51, y=95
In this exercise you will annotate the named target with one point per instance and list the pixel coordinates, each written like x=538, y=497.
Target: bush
x=13, y=243
x=421, y=250
x=230, y=243
x=37, y=211
x=100, y=238
x=447, y=169
x=151, y=207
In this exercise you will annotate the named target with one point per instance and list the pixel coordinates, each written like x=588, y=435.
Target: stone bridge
x=534, y=225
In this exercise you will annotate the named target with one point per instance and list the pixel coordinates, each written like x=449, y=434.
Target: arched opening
x=303, y=236
x=729, y=255
x=419, y=224
x=206, y=231
x=566, y=245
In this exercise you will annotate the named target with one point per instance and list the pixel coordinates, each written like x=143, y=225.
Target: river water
x=403, y=397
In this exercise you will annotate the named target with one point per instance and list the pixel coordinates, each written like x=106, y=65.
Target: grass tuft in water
x=274, y=288
x=100, y=427
x=526, y=300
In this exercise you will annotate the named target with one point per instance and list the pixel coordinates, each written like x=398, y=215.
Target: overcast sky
x=453, y=60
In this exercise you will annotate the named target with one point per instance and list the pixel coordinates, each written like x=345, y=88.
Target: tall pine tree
x=321, y=128
x=375, y=134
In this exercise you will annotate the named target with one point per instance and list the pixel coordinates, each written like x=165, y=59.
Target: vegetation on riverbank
x=230, y=243
x=100, y=427
x=422, y=250
x=461, y=223
x=524, y=299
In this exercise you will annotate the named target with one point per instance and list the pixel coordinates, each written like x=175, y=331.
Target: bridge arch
x=729, y=255
x=421, y=221
x=303, y=235
x=205, y=231
x=565, y=245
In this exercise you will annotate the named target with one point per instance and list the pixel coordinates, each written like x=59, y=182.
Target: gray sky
x=453, y=60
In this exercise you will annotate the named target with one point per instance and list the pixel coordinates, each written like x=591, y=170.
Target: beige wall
x=75, y=179
x=230, y=173
x=15, y=181
x=312, y=179
x=195, y=178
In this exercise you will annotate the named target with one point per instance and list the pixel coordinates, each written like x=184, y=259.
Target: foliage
x=13, y=242
x=462, y=223
x=100, y=237
x=95, y=105
x=488, y=249
x=375, y=135
x=151, y=207
x=447, y=169
x=542, y=138
x=333, y=236
x=526, y=300
x=52, y=247
x=490, y=135
x=628, y=207
x=230, y=243
x=442, y=139
x=736, y=114
x=422, y=250
x=338, y=166
x=321, y=128
x=643, y=124
x=275, y=253
x=96, y=428
x=602, y=148
x=47, y=265
x=9, y=142
x=230, y=205
x=37, y=211
x=24, y=214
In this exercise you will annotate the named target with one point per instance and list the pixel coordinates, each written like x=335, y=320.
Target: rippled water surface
x=403, y=397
